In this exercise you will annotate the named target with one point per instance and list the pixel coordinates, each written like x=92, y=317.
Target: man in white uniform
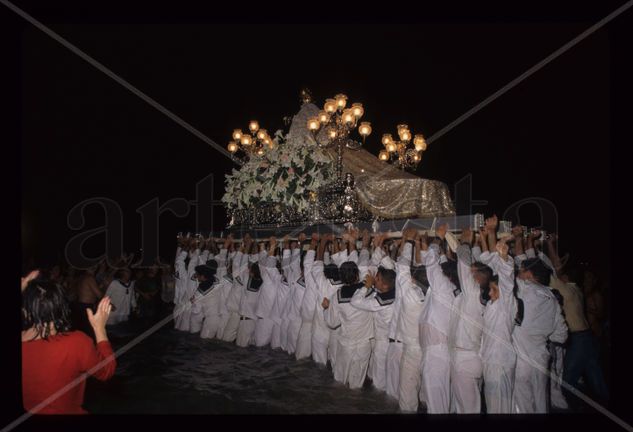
x=205, y=309
x=272, y=281
x=356, y=326
x=239, y=273
x=326, y=279
x=308, y=303
x=377, y=297
x=291, y=314
x=500, y=316
x=250, y=280
x=434, y=328
x=121, y=293
x=412, y=297
x=542, y=320
x=466, y=329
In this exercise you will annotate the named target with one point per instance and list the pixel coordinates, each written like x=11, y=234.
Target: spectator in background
x=148, y=289
x=53, y=356
x=88, y=294
x=121, y=293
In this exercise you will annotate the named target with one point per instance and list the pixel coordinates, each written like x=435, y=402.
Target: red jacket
x=50, y=365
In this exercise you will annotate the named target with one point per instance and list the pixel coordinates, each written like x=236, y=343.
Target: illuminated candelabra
x=339, y=122
x=255, y=142
x=403, y=153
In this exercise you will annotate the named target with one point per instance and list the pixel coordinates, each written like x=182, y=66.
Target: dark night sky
x=83, y=135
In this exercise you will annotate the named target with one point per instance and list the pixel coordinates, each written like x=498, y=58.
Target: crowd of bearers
x=492, y=323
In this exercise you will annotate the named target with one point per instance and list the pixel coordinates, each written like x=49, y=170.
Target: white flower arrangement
x=283, y=175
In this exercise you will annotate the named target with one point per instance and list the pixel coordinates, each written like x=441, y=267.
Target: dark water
x=172, y=372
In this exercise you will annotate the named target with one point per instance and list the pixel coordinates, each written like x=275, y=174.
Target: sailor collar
x=387, y=298
x=346, y=292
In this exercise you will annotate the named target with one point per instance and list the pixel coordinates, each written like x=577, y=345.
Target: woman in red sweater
x=55, y=360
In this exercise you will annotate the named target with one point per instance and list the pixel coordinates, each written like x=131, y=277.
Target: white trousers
x=320, y=341
x=351, y=363
x=263, y=331
x=210, y=326
x=410, y=370
x=224, y=319
x=275, y=336
x=498, y=383
x=378, y=364
x=230, y=329
x=183, y=321
x=245, y=332
x=392, y=382
x=292, y=334
x=530, y=387
x=303, y=348
x=466, y=379
x=332, y=348
x=195, y=321
x=436, y=375
x=283, y=334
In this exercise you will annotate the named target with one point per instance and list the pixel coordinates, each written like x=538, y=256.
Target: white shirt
x=122, y=297
x=411, y=300
x=381, y=308
x=292, y=306
x=310, y=299
x=499, y=315
x=467, y=318
x=542, y=320
x=271, y=284
x=435, y=317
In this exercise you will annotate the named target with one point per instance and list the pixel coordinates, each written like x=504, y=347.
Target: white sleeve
x=559, y=334
x=361, y=301
x=331, y=314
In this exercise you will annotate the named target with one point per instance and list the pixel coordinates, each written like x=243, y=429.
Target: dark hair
x=255, y=271
x=388, y=276
x=419, y=274
x=349, y=272
x=539, y=270
x=449, y=268
x=43, y=303
x=484, y=270
x=331, y=271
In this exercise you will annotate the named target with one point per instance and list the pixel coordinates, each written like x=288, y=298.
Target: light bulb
x=253, y=125
x=383, y=155
x=237, y=134
x=332, y=133
x=313, y=124
x=348, y=117
x=417, y=157
x=391, y=147
x=246, y=140
x=419, y=142
x=405, y=135
x=341, y=100
x=386, y=139
x=262, y=134
x=357, y=110
x=323, y=117
x=329, y=106
x=232, y=147
x=364, y=129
